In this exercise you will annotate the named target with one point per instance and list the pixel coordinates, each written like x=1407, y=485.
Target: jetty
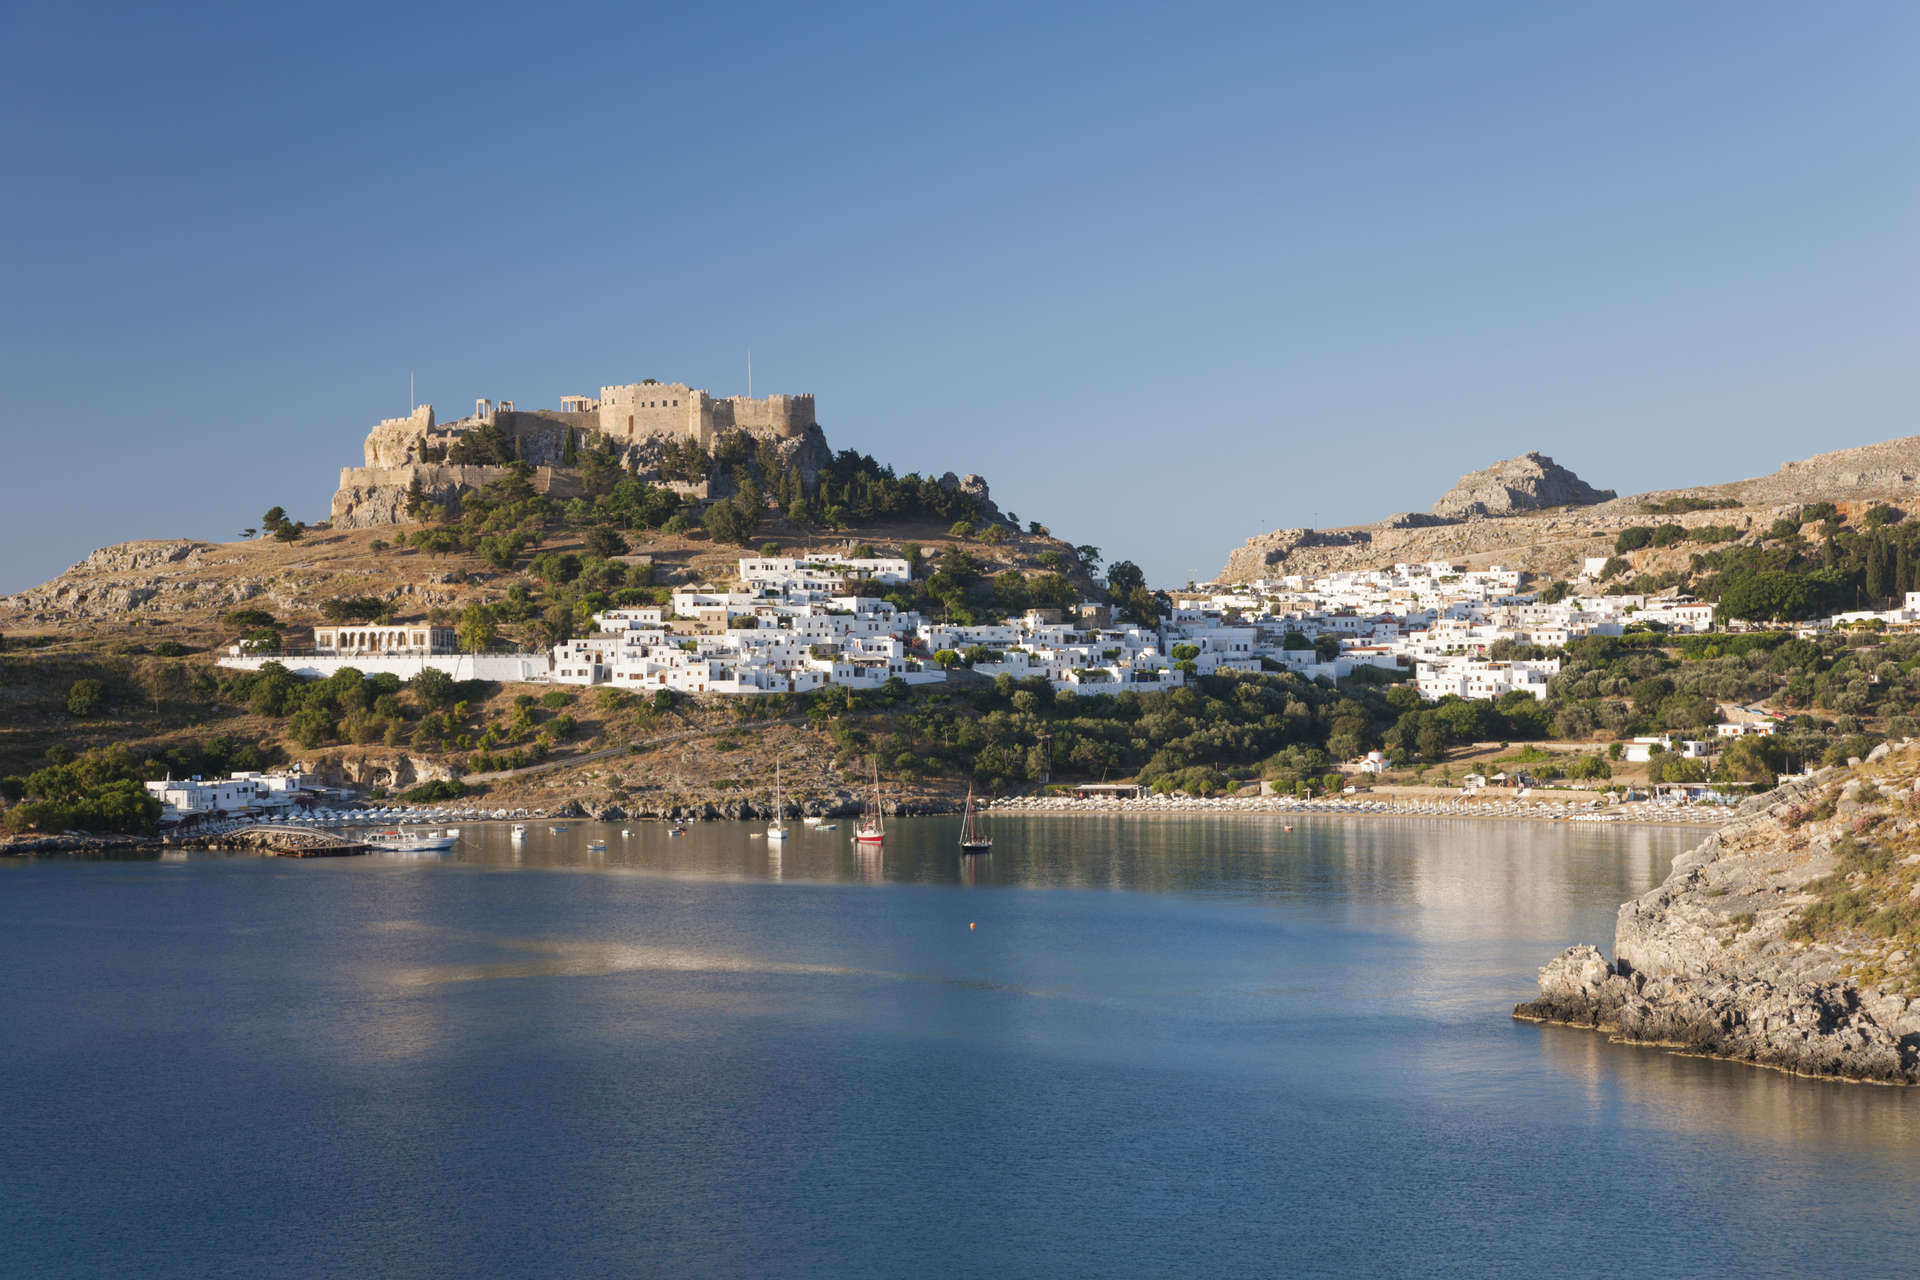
x=280, y=841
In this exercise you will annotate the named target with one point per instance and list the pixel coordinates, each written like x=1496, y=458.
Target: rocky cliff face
x=164, y=575
x=376, y=494
x=1530, y=482
x=1781, y=941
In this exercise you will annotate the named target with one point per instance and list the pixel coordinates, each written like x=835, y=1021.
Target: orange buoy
x=969, y=926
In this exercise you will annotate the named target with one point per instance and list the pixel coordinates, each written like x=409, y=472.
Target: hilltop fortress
x=637, y=419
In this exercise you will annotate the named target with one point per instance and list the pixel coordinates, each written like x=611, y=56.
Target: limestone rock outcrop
x=974, y=487
x=393, y=770
x=401, y=451
x=1530, y=482
x=160, y=576
x=131, y=557
x=1889, y=469
x=1267, y=554
x=1711, y=962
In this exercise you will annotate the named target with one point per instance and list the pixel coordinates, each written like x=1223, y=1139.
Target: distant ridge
x=1531, y=513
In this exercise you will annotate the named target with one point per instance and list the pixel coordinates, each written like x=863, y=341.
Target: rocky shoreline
x=1719, y=959
x=71, y=844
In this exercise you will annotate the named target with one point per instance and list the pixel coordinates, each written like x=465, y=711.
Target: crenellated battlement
x=676, y=411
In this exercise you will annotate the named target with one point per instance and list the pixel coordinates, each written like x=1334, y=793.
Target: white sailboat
x=872, y=827
x=777, y=829
x=972, y=838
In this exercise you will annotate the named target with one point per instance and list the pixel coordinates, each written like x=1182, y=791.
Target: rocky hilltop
x=1789, y=939
x=446, y=460
x=1530, y=513
x=1529, y=482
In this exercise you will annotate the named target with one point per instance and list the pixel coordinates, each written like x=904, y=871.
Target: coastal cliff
x=1788, y=939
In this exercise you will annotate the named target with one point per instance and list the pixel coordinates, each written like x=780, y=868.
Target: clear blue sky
x=1165, y=275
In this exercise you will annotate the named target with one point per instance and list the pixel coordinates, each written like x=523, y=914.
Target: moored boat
x=411, y=842
x=872, y=827
x=972, y=838
x=777, y=829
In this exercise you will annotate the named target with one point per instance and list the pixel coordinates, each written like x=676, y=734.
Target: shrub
x=439, y=789
x=84, y=698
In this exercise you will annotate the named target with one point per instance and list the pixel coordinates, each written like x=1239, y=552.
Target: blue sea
x=1201, y=1046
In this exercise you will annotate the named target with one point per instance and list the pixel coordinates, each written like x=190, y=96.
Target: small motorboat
x=411, y=841
x=519, y=831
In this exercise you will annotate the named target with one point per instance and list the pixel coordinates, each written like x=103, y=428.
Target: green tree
x=1877, y=584
x=310, y=726
x=475, y=630
x=570, y=452
x=605, y=542
x=1123, y=577
x=84, y=697
x=725, y=522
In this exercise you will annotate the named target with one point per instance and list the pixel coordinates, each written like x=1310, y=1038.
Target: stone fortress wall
x=397, y=448
x=676, y=411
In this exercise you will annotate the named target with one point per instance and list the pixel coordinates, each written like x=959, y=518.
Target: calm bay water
x=1199, y=1046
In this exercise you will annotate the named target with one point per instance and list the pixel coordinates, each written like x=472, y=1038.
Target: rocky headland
x=1788, y=939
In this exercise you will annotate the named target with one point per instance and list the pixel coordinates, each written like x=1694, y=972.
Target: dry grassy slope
x=178, y=589
x=703, y=751
x=732, y=771
x=102, y=619
x=1555, y=541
